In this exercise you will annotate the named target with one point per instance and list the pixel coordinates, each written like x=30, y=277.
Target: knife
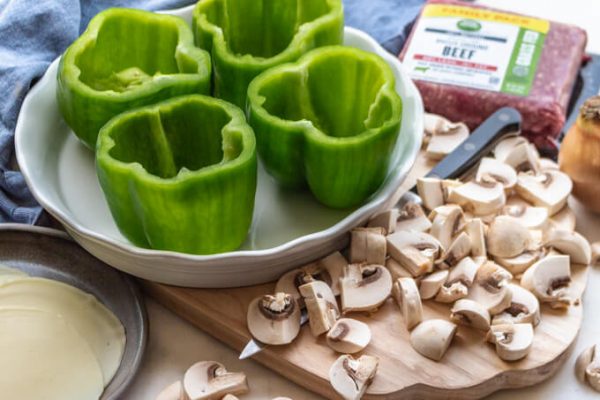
x=501, y=124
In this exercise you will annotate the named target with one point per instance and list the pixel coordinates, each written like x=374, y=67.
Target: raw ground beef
x=543, y=110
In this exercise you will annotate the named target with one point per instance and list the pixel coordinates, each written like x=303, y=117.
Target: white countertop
x=174, y=344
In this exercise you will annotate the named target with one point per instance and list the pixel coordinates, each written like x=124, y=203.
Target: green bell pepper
x=247, y=37
x=330, y=120
x=126, y=59
x=180, y=175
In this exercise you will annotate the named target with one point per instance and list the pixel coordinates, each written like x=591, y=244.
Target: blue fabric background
x=35, y=32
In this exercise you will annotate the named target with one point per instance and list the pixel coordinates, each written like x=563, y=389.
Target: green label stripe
x=520, y=73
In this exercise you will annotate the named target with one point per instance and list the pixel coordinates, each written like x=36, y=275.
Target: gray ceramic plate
x=52, y=254
x=288, y=228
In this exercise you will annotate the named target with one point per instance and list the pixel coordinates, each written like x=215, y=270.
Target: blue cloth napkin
x=34, y=32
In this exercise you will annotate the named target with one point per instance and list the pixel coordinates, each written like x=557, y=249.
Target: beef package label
x=476, y=48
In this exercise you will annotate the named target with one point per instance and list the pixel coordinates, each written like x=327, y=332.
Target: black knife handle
x=503, y=123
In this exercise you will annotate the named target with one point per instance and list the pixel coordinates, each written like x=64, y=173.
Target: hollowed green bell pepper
x=125, y=59
x=330, y=120
x=246, y=37
x=180, y=175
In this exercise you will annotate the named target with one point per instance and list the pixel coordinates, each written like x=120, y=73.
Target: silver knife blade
x=254, y=346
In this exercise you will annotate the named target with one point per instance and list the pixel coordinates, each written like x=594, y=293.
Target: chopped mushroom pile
x=493, y=248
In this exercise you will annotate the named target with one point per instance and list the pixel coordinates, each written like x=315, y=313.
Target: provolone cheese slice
x=90, y=318
x=43, y=357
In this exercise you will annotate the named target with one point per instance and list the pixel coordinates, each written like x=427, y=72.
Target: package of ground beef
x=468, y=61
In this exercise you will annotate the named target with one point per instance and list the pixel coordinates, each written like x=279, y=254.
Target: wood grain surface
x=470, y=368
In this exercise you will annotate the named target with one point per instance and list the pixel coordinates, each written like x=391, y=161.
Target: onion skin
x=579, y=155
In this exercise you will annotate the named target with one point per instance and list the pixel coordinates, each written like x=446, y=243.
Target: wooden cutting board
x=470, y=368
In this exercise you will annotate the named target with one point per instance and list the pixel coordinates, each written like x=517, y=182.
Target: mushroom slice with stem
x=172, y=392
x=465, y=271
x=368, y=245
x=274, y=319
x=571, y=243
x=350, y=377
x=397, y=270
x=412, y=217
x=291, y=280
x=334, y=264
x=408, y=298
x=565, y=219
x=549, y=189
x=476, y=231
x=513, y=341
x=506, y=237
x=523, y=158
x=321, y=306
x=415, y=251
x=431, y=191
x=528, y=216
x=210, y=380
x=548, y=279
x=481, y=198
x=365, y=287
x=517, y=265
x=432, y=337
x=490, y=288
x=349, y=336
x=470, y=313
x=431, y=284
x=450, y=292
x=587, y=367
x=448, y=221
x=386, y=220
x=524, y=308
x=458, y=250
x=548, y=164
x=446, y=137
x=505, y=147
x=492, y=169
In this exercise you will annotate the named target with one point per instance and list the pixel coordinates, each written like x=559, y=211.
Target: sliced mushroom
x=571, y=243
x=397, y=270
x=172, y=392
x=587, y=367
x=432, y=337
x=445, y=137
x=506, y=146
x=448, y=221
x=548, y=279
x=549, y=189
x=481, y=198
x=408, y=298
x=368, y=245
x=386, y=220
x=230, y=397
x=365, y=287
x=290, y=281
x=565, y=219
x=415, y=251
x=450, y=292
x=210, y=380
x=458, y=250
x=431, y=191
x=513, y=341
x=274, y=319
x=517, y=265
x=350, y=377
x=465, y=271
x=524, y=308
x=431, y=284
x=334, y=264
x=528, y=216
x=476, y=231
x=490, y=288
x=506, y=237
x=523, y=158
x=321, y=306
x=494, y=170
x=470, y=313
x=547, y=164
x=412, y=217
x=349, y=336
